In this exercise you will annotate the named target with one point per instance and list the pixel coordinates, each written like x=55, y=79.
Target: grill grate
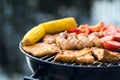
x=50, y=58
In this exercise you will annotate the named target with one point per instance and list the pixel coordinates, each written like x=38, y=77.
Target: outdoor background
x=18, y=16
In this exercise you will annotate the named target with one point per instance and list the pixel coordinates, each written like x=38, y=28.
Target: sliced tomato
x=109, y=32
x=107, y=38
x=111, y=45
x=117, y=37
x=110, y=27
x=118, y=30
x=76, y=30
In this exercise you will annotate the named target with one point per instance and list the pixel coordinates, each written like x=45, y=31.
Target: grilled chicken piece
x=105, y=55
x=83, y=52
x=110, y=56
x=61, y=40
x=98, y=53
x=85, y=56
x=63, y=35
x=73, y=43
x=50, y=38
x=88, y=59
x=79, y=56
x=79, y=44
x=82, y=37
x=95, y=34
x=66, y=56
x=72, y=36
x=86, y=41
x=69, y=43
x=41, y=49
x=96, y=41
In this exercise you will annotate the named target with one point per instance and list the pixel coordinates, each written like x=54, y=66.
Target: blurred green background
x=18, y=16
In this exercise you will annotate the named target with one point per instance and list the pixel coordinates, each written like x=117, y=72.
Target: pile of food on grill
x=71, y=43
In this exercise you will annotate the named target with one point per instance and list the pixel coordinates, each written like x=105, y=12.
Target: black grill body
x=58, y=72
x=45, y=68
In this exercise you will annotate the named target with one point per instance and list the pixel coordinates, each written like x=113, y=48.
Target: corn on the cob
x=33, y=35
x=59, y=25
x=55, y=26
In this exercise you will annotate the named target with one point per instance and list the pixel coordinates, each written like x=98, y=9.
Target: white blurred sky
x=107, y=11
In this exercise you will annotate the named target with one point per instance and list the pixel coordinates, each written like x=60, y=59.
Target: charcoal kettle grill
x=44, y=68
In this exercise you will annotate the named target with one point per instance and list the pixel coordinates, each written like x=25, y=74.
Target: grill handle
x=36, y=75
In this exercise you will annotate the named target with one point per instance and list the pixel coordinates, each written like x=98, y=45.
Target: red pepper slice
x=97, y=27
x=84, y=28
x=76, y=30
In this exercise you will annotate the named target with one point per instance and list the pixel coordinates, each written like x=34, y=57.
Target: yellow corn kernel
x=33, y=35
x=59, y=25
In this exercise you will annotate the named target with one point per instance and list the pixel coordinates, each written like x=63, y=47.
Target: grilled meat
x=73, y=43
x=79, y=44
x=85, y=56
x=63, y=35
x=110, y=56
x=61, y=40
x=96, y=41
x=95, y=34
x=49, y=38
x=98, y=53
x=86, y=41
x=69, y=43
x=41, y=49
x=72, y=36
x=83, y=52
x=105, y=55
x=66, y=56
x=79, y=56
x=88, y=59
x=82, y=37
